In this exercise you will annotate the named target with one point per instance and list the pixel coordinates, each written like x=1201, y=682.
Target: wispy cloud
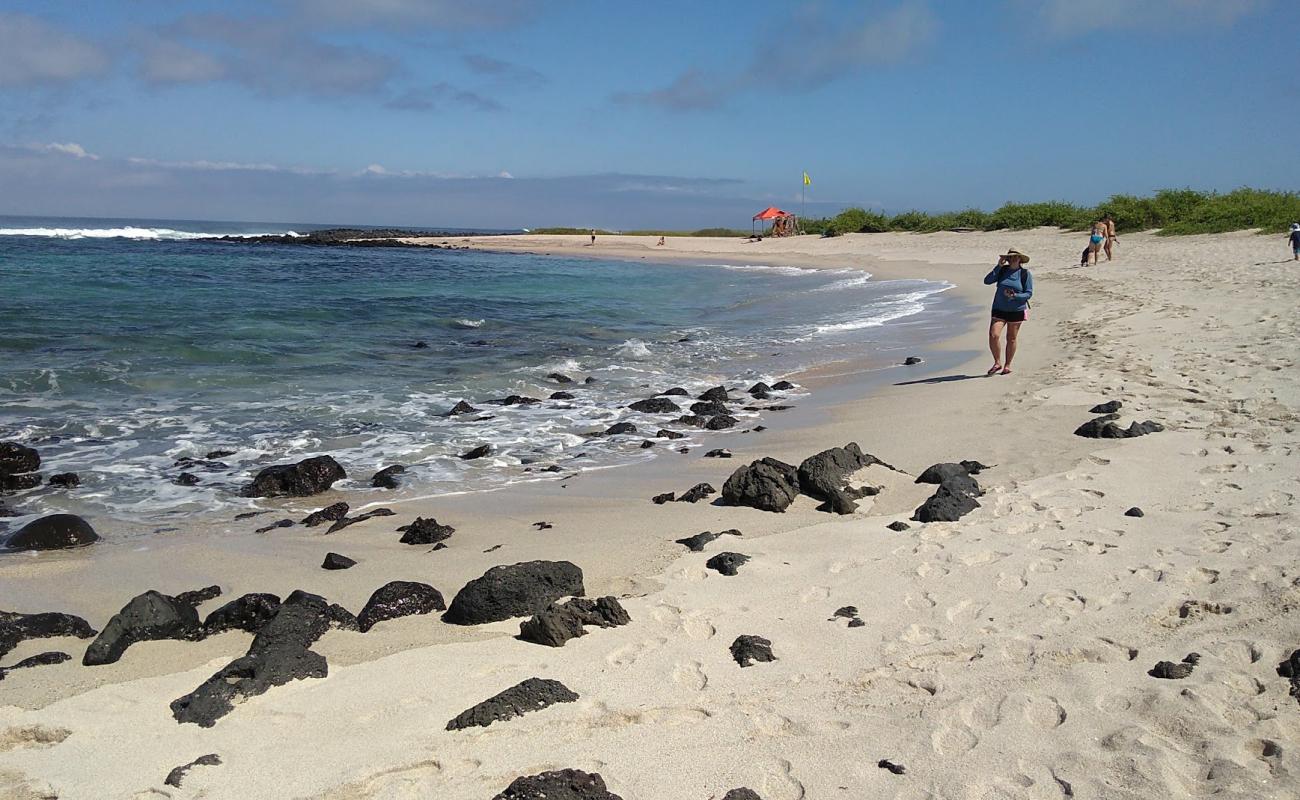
x=813, y=50
x=68, y=149
x=442, y=96
x=428, y=13
x=505, y=71
x=1077, y=17
x=34, y=53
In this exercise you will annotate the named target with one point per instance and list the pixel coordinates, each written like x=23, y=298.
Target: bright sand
x=1004, y=655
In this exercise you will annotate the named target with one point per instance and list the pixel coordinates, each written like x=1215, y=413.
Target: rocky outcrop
x=1104, y=427
x=197, y=597
x=747, y=650
x=533, y=694
x=425, y=531
x=717, y=393
x=655, y=405
x=461, y=408
x=16, y=628
x=726, y=563
x=825, y=475
x=955, y=497
x=331, y=513
x=248, y=613
x=399, y=599
x=386, y=478
x=16, y=458
x=303, y=479
x=766, y=484
x=619, y=429
x=482, y=451
x=279, y=653
x=514, y=590
x=148, y=617
x=560, y=622
x=563, y=784
x=53, y=532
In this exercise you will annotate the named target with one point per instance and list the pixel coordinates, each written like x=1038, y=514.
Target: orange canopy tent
x=773, y=213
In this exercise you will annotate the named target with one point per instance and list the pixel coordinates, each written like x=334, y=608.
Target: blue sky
x=507, y=113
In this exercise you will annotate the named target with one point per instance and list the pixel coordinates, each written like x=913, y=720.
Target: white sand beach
x=1005, y=655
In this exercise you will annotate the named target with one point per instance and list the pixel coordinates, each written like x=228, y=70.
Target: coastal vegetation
x=599, y=232
x=1169, y=211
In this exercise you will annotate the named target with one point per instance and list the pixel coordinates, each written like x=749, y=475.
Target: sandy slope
x=1002, y=656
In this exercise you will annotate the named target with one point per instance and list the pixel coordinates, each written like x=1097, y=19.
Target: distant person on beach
x=1010, y=306
x=593, y=236
x=1111, y=237
x=1295, y=241
x=661, y=242
x=1095, y=238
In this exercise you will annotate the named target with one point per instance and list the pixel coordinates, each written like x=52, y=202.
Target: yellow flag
x=806, y=180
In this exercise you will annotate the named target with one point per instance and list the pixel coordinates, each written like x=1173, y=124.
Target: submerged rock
x=386, y=478
x=331, y=513
x=515, y=400
x=481, y=451
x=19, y=483
x=65, y=480
x=399, y=599
x=558, y=623
x=186, y=479
x=16, y=628
x=560, y=377
x=303, y=479
x=461, y=408
x=726, y=563
x=655, y=405
x=747, y=650
x=533, y=694
x=53, y=532
x=676, y=391
x=16, y=458
x=514, y=590
x=248, y=613
x=718, y=453
x=619, y=429
x=564, y=784
x=766, y=484
x=148, y=617
x=425, y=531
x=667, y=434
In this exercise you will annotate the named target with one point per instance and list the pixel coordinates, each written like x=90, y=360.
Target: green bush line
x=1169, y=211
x=587, y=232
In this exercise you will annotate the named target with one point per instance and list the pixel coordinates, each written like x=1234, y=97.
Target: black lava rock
x=709, y=408
x=281, y=523
x=1106, y=408
x=719, y=453
x=533, y=694
x=560, y=377
x=948, y=504
x=676, y=391
x=425, y=531
x=278, y=654
x=38, y=660
x=478, y=452
x=897, y=769
x=667, y=434
x=1105, y=428
x=461, y=408
x=561, y=396
x=19, y=483
x=177, y=775
x=346, y=521
x=186, y=479
x=1290, y=669
x=783, y=386
x=197, y=597
x=726, y=563
x=759, y=388
x=248, y=613
x=148, y=617
x=747, y=650
x=696, y=543
x=619, y=429
x=65, y=480
x=16, y=628
x=717, y=393
x=307, y=477
x=1134, y=512
x=16, y=458
x=515, y=400
x=330, y=513
x=911, y=361
x=898, y=525
x=335, y=561
x=514, y=590
x=558, y=623
x=647, y=444
x=53, y=532
x=939, y=473
x=563, y=784
x=825, y=476
x=766, y=484
x=215, y=454
x=666, y=497
x=386, y=478
x=697, y=493
x=721, y=422
x=655, y=405
x=1168, y=670
x=399, y=599
x=743, y=793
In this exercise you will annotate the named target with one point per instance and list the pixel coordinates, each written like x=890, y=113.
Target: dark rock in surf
x=334, y=561
x=561, y=396
x=17, y=458
x=647, y=444
x=215, y=454
x=667, y=434
x=693, y=420
x=65, y=480
x=53, y=532
x=766, y=484
x=399, y=599
x=696, y=493
x=19, y=483
x=303, y=479
x=533, y=694
x=197, y=597
x=759, y=388
x=558, y=623
x=747, y=650
x=148, y=617
x=249, y=613
x=590, y=380
x=709, y=408
x=514, y=590
x=481, y=451
x=783, y=386
x=461, y=408
x=515, y=400
x=177, y=775
x=348, y=521
x=6, y=511
x=279, y=653
x=720, y=423
x=1110, y=407
x=282, y=523
x=425, y=531
x=563, y=784
x=186, y=479
x=911, y=361
x=718, y=453
x=718, y=393
x=330, y=513
x=676, y=391
x=560, y=377
x=655, y=405
x=666, y=497
x=386, y=478
x=726, y=563
x=16, y=628
x=620, y=429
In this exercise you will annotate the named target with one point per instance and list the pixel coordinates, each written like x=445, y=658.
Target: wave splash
x=125, y=232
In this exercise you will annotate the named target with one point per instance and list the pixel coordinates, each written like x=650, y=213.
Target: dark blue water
x=119, y=356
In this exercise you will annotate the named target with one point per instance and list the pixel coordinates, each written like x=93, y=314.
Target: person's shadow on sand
x=940, y=379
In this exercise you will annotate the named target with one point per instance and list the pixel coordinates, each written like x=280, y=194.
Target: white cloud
x=68, y=149
x=1075, y=17
x=32, y=52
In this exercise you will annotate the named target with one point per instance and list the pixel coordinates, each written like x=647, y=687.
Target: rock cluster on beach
x=955, y=497
x=514, y=590
x=772, y=485
x=303, y=479
x=558, y=623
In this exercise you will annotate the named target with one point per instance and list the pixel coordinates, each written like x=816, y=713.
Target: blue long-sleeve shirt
x=1021, y=284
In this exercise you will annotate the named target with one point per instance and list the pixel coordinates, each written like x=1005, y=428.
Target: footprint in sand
x=814, y=594
x=920, y=635
x=26, y=737
x=779, y=783
x=919, y=602
x=965, y=612
x=1011, y=583
x=629, y=653
x=690, y=675
x=953, y=737
x=1041, y=711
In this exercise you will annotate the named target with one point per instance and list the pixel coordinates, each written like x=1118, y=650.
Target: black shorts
x=1009, y=316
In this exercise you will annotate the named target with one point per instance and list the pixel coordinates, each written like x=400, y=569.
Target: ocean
x=128, y=345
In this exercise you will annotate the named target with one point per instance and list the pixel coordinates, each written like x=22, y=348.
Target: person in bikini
x=1112, y=238
x=1010, y=307
x=1096, y=237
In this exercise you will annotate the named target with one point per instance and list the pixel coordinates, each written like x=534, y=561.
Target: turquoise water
x=119, y=355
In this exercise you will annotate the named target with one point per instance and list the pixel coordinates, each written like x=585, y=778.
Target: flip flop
x=1006, y=371
x=995, y=369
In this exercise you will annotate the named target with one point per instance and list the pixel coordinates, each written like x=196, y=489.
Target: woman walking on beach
x=1010, y=306
x=1112, y=238
x=1294, y=238
x=1097, y=236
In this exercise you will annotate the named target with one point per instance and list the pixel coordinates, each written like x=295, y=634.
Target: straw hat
x=1024, y=259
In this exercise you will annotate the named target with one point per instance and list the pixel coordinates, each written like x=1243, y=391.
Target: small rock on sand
x=726, y=563
x=747, y=650
x=531, y=695
x=177, y=775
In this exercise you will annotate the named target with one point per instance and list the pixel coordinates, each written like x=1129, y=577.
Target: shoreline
x=1005, y=651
